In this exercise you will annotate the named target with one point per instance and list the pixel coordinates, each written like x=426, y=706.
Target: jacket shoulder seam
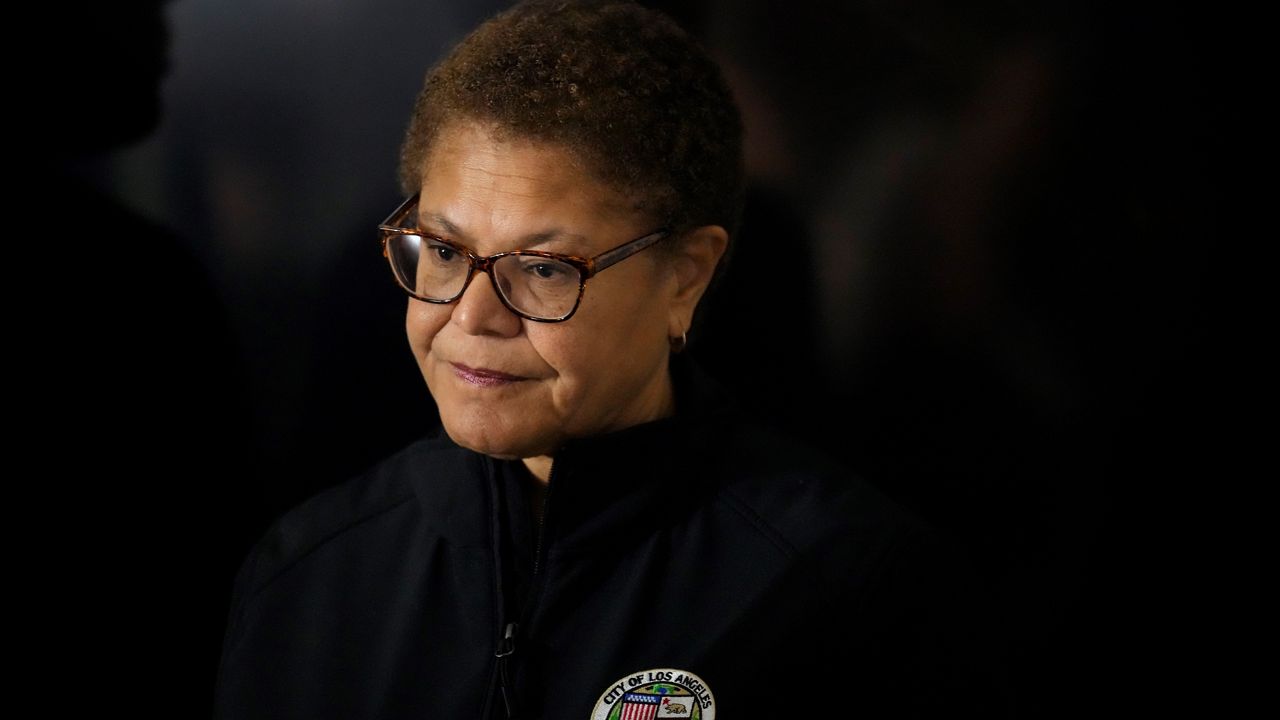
x=325, y=539
x=770, y=533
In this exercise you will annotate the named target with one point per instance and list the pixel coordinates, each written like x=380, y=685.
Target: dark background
x=972, y=267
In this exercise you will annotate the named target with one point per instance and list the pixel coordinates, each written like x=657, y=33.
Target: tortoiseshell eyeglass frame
x=587, y=267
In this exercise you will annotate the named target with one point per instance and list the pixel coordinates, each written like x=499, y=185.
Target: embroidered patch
x=657, y=693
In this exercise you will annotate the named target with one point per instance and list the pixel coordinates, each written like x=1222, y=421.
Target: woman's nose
x=480, y=311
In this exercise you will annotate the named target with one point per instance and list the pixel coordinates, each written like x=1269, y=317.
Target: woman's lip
x=484, y=376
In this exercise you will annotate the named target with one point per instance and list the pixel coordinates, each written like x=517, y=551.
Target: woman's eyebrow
x=428, y=218
x=548, y=236
x=527, y=242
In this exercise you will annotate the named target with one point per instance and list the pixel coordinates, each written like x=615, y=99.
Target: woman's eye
x=547, y=270
x=442, y=252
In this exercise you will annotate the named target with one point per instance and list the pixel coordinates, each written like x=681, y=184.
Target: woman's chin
x=490, y=439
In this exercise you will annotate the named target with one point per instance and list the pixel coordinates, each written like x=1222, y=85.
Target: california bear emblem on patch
x=657, y=693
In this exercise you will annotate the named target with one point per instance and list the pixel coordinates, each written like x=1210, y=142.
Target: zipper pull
x=506, y=649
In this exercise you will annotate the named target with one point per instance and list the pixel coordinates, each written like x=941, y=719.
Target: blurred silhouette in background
x=1004, y=205
x=142, y=473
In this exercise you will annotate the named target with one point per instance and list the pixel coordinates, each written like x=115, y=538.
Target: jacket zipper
x=537, y=543
x=506, y=648
x=510, y=630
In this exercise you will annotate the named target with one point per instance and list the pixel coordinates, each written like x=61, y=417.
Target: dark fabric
x=518, y=527
x=701, y=542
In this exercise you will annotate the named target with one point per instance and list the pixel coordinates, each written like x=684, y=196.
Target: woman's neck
x=540, y=467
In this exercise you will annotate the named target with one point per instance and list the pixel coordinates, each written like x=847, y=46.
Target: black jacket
x=763, y=580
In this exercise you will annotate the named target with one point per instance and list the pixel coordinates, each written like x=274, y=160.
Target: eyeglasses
x=541, y=286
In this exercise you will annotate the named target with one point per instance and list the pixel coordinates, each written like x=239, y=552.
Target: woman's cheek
x=422, y=322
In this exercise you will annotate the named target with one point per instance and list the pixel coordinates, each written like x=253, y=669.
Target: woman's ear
x=695, y=258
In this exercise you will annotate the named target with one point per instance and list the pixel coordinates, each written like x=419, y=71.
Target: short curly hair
x=620, y=86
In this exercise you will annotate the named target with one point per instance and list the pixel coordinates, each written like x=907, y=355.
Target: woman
x=597, y=533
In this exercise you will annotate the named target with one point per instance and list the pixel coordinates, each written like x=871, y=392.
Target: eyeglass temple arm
x=397, y=216
x=622, y=252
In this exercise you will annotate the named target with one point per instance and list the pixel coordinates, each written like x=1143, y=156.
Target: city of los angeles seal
x=657, y=693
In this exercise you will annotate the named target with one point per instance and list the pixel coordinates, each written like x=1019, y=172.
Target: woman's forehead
x=518, y=191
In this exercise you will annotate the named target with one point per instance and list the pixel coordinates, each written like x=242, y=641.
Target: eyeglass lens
x=537, y=286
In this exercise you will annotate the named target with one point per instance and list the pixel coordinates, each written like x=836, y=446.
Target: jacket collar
x=608, y=486
x=603, y=487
